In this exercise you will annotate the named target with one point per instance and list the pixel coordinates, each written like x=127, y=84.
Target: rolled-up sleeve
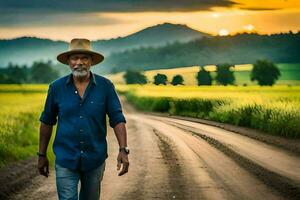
x=49, y=114
x=114, y=108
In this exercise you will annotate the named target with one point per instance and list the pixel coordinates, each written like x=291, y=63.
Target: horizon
x=234, y=34
x=63, y=21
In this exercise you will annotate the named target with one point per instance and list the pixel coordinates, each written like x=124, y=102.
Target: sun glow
x=215, y=15
x=223, y=32
x=249, y=27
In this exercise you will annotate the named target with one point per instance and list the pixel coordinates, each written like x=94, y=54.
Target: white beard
x=81, y=72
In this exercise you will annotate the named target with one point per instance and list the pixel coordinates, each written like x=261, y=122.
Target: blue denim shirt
x=80, y=140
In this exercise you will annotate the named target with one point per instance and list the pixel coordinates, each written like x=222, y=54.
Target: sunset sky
x=95, y=19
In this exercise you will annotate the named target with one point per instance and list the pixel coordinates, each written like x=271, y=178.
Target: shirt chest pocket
x=95, y=109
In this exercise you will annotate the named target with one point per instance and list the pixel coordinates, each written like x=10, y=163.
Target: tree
x=177, y=80
x=160, y=79
x=43, y=72
x=203, y=77
x=265, y=72
x=225, y=75
x=14, y=74
x=133, y=76
x=39, y=72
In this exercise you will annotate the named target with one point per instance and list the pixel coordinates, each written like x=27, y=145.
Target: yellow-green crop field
x=20, y=107
x=275, y=109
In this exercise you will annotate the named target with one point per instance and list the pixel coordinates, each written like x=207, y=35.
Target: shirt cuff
x=116, y=118
x=47, y=120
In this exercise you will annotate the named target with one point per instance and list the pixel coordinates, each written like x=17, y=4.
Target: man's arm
x=45, y=135
x=117, y=122
x=121, y=134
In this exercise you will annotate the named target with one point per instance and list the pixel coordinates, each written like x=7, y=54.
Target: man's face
x=80, y=64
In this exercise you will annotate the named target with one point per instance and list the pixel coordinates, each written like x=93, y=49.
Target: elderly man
x=78, y=103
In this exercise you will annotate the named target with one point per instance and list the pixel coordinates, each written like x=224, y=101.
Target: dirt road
x=179, y=159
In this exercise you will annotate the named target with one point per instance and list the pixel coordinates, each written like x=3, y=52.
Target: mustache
x=79, y=67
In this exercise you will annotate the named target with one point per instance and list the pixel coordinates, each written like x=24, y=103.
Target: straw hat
x=78, y=45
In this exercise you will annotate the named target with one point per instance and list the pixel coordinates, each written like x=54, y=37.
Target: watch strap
x=41, y=154
x=125, y=149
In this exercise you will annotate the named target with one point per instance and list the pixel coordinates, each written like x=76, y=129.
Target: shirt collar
x=92, y=76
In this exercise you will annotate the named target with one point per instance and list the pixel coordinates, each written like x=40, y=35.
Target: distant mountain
x=26, y=50
x=154, y=36
x=238, y=49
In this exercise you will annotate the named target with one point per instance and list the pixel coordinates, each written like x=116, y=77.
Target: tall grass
x=275, y=110
x=20, y=108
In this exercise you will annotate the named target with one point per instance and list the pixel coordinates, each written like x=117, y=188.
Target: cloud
x=41, y=13
x=112, y=5
x=41, y=19
x=34, y=13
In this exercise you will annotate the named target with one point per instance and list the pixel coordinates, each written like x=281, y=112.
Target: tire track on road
x=179, y=184
x=284, y=185
x=217, y=175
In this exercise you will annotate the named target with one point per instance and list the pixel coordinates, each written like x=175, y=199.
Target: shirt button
x=76, y=92
x=80, y=117
x=80, y=104
x=81, y=151
x=81, y=130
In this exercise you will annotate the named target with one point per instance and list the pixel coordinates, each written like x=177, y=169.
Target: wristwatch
x=40, y=154
x=125, y=149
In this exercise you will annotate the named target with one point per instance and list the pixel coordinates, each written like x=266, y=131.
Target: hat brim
x=97, y=57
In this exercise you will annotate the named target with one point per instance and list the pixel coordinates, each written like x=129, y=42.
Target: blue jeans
x=90, y=183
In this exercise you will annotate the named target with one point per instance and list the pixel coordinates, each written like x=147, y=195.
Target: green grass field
x=275, y=110
x=20, y=108
x=290, y=74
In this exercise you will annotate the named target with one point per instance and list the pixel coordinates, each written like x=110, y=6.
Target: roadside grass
x=275, y=110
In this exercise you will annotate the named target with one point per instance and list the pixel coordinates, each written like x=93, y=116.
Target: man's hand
x=43, y=166
x=123, y=158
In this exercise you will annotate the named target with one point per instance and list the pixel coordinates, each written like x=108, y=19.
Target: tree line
x=39, y=72
x=264, y=72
